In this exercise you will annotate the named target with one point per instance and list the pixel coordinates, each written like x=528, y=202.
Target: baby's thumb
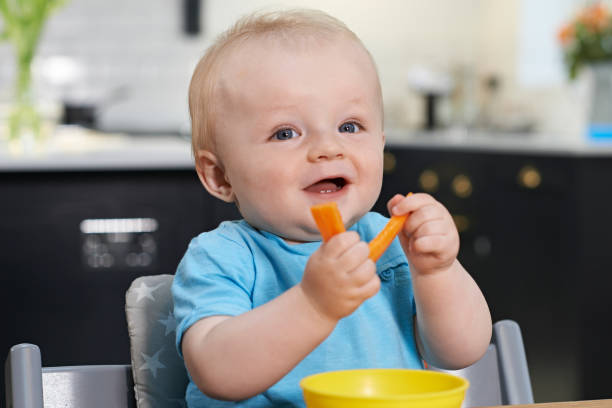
x=393, y=201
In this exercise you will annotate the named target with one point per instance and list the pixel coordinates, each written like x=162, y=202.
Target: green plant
x=587, y=38
x=23, y=23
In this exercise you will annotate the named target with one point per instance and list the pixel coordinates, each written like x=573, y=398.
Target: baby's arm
x=453, y=322
x=238, y=357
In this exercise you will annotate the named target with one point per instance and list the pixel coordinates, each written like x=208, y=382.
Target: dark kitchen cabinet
x=592, y=275
x=71, y=244
x=534, y=235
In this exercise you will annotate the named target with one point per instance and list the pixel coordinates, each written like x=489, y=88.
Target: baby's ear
x=212, y=175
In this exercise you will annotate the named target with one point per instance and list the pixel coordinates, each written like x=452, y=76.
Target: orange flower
x=584, y=38
x=595, y=17
x=566, y=34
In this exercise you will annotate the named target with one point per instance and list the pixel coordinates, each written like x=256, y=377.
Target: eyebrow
x=362, y=102
x=357, y=100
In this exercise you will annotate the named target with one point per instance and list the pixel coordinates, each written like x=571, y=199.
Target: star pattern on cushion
x=145, y=291
x=169, y=323
x=152, y=363
x=160, y=377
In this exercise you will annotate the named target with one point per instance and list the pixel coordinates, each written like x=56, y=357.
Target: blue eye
x=285, y=134
x=349, y=127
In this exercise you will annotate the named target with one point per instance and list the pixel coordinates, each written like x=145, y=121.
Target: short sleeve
x=214, y=277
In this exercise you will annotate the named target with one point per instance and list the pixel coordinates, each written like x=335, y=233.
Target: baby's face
x=297, y=127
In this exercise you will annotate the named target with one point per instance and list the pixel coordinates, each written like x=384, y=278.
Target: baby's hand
x=339, y=276
x=429, y=236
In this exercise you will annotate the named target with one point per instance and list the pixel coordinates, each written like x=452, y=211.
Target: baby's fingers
x=339, y=244
x=435, y=238
x=409, y=204
x=363, y=273
x=424, y=216
x=371, y=288
x=353, y=256
x=393, y=202
x=430, y=244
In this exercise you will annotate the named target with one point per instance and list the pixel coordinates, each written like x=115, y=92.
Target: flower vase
x=24, y=121
x=600, y=112
x=23, y=21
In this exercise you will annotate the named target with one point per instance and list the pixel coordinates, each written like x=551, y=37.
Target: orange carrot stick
x=384, y=238
x=328, y=219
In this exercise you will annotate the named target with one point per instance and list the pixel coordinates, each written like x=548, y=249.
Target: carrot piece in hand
x=328, y=219
x=330, y=223
x=384, y=238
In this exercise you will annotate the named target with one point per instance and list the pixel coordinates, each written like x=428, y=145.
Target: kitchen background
x=133, y=60
x=505, y=150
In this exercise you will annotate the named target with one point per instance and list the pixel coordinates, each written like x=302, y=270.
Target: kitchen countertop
x=75, y=149
x=82, y=150
x=502, y=143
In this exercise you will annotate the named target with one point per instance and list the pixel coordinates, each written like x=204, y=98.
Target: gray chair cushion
x=160, y=377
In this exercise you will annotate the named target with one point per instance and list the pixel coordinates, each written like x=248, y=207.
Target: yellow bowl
x=383, y=388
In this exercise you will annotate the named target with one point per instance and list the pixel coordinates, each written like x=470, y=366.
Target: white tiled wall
x=138, y=46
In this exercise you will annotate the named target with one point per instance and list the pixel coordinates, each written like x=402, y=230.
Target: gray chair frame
x=500, y=377
x=29, y=385
x=506, y=357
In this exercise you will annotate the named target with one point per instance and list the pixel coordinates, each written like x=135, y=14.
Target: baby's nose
x=325, y=148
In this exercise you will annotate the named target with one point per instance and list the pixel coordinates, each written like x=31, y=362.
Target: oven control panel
x=120, y=243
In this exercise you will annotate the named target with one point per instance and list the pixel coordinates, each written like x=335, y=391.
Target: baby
x=287, y=113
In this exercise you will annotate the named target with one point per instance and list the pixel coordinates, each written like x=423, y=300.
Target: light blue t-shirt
x=235, y=268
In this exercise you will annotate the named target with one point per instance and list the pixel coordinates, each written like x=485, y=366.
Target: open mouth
x=327, y=186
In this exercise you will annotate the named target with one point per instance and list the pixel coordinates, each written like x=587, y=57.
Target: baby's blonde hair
x=287, y=24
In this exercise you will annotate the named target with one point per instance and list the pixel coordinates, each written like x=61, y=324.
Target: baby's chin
x=299, y=236
x=302, y=239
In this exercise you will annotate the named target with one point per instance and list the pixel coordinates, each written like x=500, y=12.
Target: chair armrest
x=513, y=364
x=92, y=386
x=23, y=377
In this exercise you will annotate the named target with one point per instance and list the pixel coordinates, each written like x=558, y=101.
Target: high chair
x=501, y=376
x=157, y=377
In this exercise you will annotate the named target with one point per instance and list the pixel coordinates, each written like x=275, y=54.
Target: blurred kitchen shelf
x=479, y=140
x=78, y=149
